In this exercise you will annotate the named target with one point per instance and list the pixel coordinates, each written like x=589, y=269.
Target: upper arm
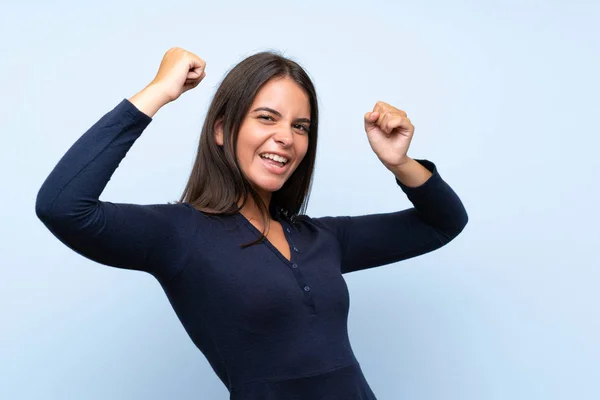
x=149, y=238
x=368, y=241
x=437, y=217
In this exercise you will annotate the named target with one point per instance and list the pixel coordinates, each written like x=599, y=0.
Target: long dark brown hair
x=216, y=183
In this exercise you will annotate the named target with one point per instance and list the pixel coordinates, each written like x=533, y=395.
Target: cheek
x=249, y=141
x=302, y=148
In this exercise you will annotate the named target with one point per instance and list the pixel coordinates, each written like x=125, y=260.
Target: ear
x=218, y=128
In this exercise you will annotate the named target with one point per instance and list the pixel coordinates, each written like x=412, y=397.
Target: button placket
x=295, y=268
x=292, y=245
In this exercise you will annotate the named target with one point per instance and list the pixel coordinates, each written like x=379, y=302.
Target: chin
x=268, y=185
x=267, y=182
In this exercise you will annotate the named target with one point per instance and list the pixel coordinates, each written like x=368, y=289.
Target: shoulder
x=325, y=223
x=180, y=217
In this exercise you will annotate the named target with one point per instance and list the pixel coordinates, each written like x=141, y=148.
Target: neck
x=251, y=211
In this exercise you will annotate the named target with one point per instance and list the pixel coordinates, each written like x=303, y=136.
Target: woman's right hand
x=179, y=71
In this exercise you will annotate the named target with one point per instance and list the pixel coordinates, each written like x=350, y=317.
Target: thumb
x=370, y=118
x=195, y=73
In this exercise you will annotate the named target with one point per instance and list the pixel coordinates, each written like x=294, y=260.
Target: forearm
x=84, y=170
x=411, y=173
x=435, y=201
x=149, y=100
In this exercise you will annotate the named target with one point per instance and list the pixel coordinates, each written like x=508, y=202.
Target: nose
x=284, y=136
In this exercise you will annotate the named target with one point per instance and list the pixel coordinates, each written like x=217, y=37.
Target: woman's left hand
x=389, y=131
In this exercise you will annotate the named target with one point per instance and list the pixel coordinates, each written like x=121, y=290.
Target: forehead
x=285, y=96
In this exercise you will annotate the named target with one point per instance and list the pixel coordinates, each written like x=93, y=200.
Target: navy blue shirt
x=271, y=328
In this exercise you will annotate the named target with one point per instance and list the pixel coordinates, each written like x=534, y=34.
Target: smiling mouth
x=275, y=163
x=275, y=167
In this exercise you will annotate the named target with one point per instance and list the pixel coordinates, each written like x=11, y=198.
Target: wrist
x=150, y=99
x=411, y=173
x=401, y=168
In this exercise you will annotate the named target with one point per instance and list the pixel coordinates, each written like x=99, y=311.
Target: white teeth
x=274, y=157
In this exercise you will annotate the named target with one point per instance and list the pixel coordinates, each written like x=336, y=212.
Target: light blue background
x=504, y=98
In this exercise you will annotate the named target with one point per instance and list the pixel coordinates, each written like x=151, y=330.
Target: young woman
x=257, y=284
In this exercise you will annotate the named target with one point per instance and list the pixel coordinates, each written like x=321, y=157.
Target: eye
x=302, y=127
x=267, y=117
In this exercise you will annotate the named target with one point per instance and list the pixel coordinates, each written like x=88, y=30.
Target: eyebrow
x=279, y=114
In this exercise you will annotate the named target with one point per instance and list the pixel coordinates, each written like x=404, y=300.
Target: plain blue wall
x=504, y=98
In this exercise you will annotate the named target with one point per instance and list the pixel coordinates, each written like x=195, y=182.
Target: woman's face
x=276, y=126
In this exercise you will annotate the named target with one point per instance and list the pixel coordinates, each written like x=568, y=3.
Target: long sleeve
x=367, y=241
x=131, y=236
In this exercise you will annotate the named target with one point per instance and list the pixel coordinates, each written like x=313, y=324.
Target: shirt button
x=294, y=265
x=306, y=288
x=295, y=249
x=288, y=229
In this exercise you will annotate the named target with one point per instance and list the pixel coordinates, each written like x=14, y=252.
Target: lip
x=273, y=168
